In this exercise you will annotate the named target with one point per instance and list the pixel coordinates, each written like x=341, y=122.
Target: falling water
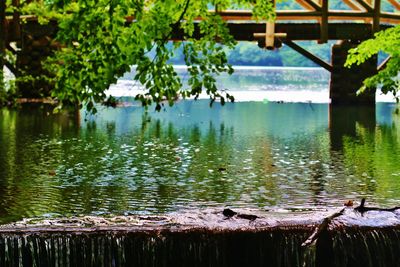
x=371, y=247
x=193, y=248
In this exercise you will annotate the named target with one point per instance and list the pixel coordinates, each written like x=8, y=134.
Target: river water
x=255, y=153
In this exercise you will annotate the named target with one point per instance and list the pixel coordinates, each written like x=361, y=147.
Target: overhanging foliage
x=387, y=41
x=99, y=46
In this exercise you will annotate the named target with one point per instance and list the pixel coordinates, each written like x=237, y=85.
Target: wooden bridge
x=313, y=20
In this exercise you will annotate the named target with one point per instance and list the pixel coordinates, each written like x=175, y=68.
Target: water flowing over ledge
x=205, y=238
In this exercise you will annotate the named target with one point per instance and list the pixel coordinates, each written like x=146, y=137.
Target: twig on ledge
x=321, y=228
x=361, y=208
x=326, y=221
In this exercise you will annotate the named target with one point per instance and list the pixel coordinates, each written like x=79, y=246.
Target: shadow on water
x=343, y=121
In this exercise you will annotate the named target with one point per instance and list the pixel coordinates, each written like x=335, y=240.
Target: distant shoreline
x=244, y=67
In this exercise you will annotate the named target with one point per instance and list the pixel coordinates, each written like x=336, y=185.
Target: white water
x=262, y=84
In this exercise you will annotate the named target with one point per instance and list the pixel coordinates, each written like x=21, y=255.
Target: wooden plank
x=384, y=19
x=395, y=4
x=245, y=15
x=390, y=20
x=245, y=31
x=377, y=14
x=365, y=5
x=280, y=35
x=309, y=4
x=349, y=18
x=324, y=22
x=270, y=35
x=333, y=16
x=340, y=15
x=298, y=13
x=395, y=18
x=349, y=15
x=239, y=15
x=23, y=17
x=309, y=55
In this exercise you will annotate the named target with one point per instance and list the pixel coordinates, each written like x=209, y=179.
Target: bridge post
x=345, y=81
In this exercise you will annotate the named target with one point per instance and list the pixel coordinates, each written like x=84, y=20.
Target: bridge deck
x=314, y=22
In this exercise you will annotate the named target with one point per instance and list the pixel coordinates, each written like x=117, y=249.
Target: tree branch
x=166, y=37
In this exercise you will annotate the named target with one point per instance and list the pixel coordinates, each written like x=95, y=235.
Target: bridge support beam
x=346, y=81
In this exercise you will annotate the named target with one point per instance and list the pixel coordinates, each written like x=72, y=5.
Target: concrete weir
x=205, y=238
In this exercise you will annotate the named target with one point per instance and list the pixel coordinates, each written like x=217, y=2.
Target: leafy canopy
x=387, y=41
x=102, y=39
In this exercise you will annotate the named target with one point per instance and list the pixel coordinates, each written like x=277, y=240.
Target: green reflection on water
x=246, y=154
x=372, y=155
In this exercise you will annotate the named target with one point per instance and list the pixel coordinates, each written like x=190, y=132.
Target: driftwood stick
x=321, y=228
x=326, y=221
x=361, y=208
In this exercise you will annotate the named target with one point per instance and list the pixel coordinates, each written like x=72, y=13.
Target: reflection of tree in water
x=27, y=162
x=372, y=157
x=351, y=126
x=209, y=167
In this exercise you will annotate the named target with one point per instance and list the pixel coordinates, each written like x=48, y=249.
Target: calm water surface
x=260, y=155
